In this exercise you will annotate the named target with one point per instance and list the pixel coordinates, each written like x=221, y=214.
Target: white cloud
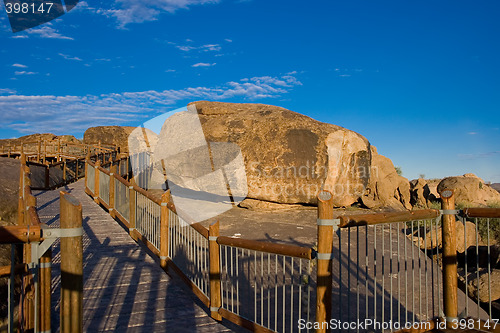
x=138, y=11
x=19, y=36
x=169, y=70
x=68, y=114
x=19, y=65
x=47, y=32
x=7, y=91
x=228, y=40
x=472, y=133
x=24, y=73
x=203, y=64
x=202, y=48
x=67, y=57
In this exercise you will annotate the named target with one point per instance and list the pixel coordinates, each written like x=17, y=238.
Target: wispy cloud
x=19, y=36
x=19, y=65
x=47, y=32
x=67, y=57
x=472, y=133
x=169, y=70
x=24, y=73
x=479, y=155
x=228, y=40
x=6, y=91
x=138, y=11
x=203, y=64
x=204, y=48
x=68, y=114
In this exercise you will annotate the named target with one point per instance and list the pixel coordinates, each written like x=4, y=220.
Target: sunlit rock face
x=289, y=157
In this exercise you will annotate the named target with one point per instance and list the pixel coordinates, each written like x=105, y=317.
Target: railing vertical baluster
x=97, y=173
x=132, y=207
x=111, y=192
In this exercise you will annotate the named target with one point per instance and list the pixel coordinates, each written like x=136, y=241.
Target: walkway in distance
x=124, y=288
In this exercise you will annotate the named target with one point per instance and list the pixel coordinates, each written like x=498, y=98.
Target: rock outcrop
x=112, y=136
x=289, y=157
x=470, y=190
x=33, y=138
x=420, y=193
x=427, y=239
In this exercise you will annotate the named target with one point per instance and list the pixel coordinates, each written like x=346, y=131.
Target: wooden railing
x=368, y=265
x=262, y=286
x=33, y=241
x=401, y=268
x=55, y=164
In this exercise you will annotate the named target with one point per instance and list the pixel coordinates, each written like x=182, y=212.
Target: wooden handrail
x=281, y=249
x=18, y=269
x=147, y=194
x=20, y=234
x=201, y=229
x=482, y=212
x=378, y=218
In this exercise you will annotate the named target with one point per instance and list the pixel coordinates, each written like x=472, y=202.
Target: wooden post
x=21, y=206
x=214, y=271
x=324, y=272
x=77, y=169
x=44, y=288
x=64, y=171
x=165, y=199
x=44, y=151
x=450, y=277
x=96, y=184
x=131, y=206
x=58, y=150
x=71, y=266
x=112, y=172
x=39, y=150
x=47, y=177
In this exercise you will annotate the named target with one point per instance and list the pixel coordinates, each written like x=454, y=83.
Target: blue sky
x=419, y=79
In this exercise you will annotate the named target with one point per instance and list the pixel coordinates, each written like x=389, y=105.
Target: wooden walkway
x=124, y=288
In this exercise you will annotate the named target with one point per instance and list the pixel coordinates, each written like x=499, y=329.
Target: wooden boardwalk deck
x=124, y=288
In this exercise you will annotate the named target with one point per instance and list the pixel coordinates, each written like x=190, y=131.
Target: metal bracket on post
x=450, y=211
x=330, y=222
x=50, y=235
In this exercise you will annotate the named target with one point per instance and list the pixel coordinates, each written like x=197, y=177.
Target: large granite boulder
x=420, y=193
x=32, y=140
x=113, y=136
x=289, y=157
x=470, y=190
